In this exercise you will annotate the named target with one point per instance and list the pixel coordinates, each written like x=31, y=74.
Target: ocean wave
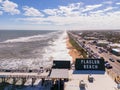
x=31, y=38
x=55, y=49
x=59, y=50
x=34, y=55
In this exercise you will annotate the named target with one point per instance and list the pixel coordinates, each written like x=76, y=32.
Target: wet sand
x=72, y=51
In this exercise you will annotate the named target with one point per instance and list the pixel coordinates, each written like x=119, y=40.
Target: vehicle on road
x=106, y=51
x=118, y=60
x=106, y=62
x=108, y=66
x=100, y=52
x=111, y=59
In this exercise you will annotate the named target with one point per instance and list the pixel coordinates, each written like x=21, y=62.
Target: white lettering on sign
x=90, y=62
x=90, y=66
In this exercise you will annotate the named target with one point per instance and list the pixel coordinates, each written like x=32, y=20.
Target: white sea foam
x=30, y=38
x=56, y=50
x=59, y=50
x=22, y=39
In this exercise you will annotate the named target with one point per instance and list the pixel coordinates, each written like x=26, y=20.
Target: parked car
x=100, y=52
x=106, y=62
x=106, y=51
x=108, y=66
x=111, y=59
x=90, y=78
x=118, y=60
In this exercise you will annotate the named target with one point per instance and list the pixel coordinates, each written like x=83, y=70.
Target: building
x=88, y=74
x=79, y=79
x=58, y=64
x=116, y=45
x=59, y=74
x=90, y=38
x=100, y=82
x=116, y=51
x=102, y=43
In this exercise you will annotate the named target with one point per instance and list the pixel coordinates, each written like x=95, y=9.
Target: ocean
x=31, y=49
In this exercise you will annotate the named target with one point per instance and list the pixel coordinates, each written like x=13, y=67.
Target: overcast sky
x=59, y=14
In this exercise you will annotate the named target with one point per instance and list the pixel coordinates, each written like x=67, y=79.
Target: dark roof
x=61, y=64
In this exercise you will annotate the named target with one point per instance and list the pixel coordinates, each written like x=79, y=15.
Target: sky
x=59, y=14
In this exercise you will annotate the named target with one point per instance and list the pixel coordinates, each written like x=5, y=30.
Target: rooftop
x=103, y=41
x=59, y=73
x=101, y=82
x=116, y=49
x=115, y=45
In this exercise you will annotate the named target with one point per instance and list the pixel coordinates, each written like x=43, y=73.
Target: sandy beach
x=72, y=51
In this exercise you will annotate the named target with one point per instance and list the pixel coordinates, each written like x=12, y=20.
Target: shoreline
x=72, y=51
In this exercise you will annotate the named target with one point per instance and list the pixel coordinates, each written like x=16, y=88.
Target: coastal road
x=106, y=56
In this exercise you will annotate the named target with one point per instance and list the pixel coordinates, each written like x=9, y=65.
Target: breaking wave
x=35, y=51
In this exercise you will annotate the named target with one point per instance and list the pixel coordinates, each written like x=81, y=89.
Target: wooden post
x=14, y=80
x=33, y=81
x=3, y=79
x=23, y=81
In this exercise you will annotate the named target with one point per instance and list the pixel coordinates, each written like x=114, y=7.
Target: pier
x=21, y=78
x=50, y=78
x=61, y=77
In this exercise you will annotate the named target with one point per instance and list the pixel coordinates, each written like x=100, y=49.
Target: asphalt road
x=106, y=56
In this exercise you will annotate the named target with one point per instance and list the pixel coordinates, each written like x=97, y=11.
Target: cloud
x=30, y=11
x=109, y=9
x=76, y=16
x=91, y=7
x=10, y=7
x=118, y=3
x=116, y=13
x=69, y=10
x=97, y=17
x=70, y=7
x=1, y=1
x=52, y=12
x=56, y=20
x=84, y=22
x=1, y=12
x=108, y=2
x=103, y=11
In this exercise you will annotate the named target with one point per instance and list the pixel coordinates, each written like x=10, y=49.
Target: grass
x=77, y=47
